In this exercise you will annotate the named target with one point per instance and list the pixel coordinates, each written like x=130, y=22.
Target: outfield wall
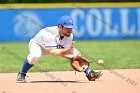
x=20, y=22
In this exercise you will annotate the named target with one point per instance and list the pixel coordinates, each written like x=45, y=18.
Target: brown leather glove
x=78, y=62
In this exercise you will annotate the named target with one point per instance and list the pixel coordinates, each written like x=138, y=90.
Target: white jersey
x=49, y=38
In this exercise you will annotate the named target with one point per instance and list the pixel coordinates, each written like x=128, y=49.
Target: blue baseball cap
x=66, y=21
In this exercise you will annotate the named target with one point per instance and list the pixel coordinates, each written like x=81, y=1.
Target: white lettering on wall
x=108, y=23
x=75, y=14
x=126, y=29
x=138, y=12
x=27, y=24
x=94, y=14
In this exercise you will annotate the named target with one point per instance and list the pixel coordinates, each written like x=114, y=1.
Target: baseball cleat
x=21, y=77
x=92, y=76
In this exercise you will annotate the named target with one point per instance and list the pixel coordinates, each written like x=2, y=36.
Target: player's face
x=66, y=31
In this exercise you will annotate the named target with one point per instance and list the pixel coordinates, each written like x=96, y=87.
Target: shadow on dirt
x=57, y=82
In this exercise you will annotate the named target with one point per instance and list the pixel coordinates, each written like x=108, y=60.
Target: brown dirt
x=115, y=81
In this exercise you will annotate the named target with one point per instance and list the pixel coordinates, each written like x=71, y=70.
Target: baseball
x=100, y=61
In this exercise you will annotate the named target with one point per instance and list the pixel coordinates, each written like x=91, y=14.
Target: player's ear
x=60, y=26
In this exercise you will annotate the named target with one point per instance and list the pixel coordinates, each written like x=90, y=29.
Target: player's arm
x=67, y=44
x=59, y=52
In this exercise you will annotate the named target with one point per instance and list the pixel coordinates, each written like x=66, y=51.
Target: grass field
x=116, y=54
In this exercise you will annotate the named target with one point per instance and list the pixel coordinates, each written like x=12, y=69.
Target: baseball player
x=57, y=41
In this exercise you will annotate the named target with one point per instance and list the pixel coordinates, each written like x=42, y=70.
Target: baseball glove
x=78, y=63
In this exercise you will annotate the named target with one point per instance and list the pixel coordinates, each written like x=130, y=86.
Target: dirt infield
x=112, y=81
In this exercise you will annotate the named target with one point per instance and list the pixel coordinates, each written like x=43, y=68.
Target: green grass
x=116, y=54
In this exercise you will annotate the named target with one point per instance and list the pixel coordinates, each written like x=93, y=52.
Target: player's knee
x=34, y=60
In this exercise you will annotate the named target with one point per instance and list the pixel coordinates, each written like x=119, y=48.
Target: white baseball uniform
x=48, y=38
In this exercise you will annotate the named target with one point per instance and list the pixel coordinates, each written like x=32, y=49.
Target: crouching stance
x=57, y=41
